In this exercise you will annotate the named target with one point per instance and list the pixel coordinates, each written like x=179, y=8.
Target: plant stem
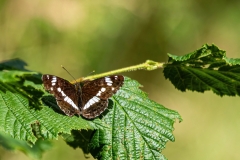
x=148, y=65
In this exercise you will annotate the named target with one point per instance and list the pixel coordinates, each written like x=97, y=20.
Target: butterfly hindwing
x=95, y=110
x=65, y=93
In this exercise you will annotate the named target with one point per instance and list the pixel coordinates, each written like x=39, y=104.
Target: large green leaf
x=207, y=68
x=17, y=115
x=133, y=126
x=23, y=113
x=136, y=127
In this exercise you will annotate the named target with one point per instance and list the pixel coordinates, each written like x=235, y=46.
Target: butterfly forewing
x=67, y=95
x=95, y=94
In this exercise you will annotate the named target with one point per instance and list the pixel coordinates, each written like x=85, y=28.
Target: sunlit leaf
x=23, y=113
x=137, y=127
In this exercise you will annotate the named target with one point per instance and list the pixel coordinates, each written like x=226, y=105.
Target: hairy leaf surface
x=137, y=127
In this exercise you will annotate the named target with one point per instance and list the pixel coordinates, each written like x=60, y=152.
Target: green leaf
x=133, y=126
x=14, y=64
x=79, y=139
x=136, y=127
x=35, y=151
x=207, y=68
x=23, y=114
x=20, y=109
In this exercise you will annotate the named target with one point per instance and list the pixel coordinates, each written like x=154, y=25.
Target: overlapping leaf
x=17, y=115
x=138, y=128
x=205, y=69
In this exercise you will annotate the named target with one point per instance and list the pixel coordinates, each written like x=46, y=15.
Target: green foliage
x=137, y=127
x=22, y=112
x=207, y=68
x=35, y=152
x=132, y=127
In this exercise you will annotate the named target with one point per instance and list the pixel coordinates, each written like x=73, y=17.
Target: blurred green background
x=105, y=35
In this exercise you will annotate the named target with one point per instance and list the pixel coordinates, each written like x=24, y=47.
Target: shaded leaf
x=79, y=139
x=35, y=151
x=205, y=69
x=13, y=64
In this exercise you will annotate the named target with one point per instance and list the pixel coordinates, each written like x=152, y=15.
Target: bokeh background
x=105, y=35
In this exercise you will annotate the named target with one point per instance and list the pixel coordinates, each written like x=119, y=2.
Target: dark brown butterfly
x=89, y=99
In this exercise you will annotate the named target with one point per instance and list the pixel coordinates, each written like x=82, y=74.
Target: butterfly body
x=89, y=99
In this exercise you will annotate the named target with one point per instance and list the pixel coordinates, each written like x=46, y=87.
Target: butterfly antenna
x=91, y=72
x=69, y=73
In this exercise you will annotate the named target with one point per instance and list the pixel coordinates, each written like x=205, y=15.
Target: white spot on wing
x=91, y=102
x=59, y=90
x=63, y=94
x=103, y=89
x=54, y=80
x=99, y=93
x=67, y=99
x=108, y=81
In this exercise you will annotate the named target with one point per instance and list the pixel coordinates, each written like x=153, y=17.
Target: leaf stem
x=148, y=65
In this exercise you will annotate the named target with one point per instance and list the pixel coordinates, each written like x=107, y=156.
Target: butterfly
x=88, y=98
